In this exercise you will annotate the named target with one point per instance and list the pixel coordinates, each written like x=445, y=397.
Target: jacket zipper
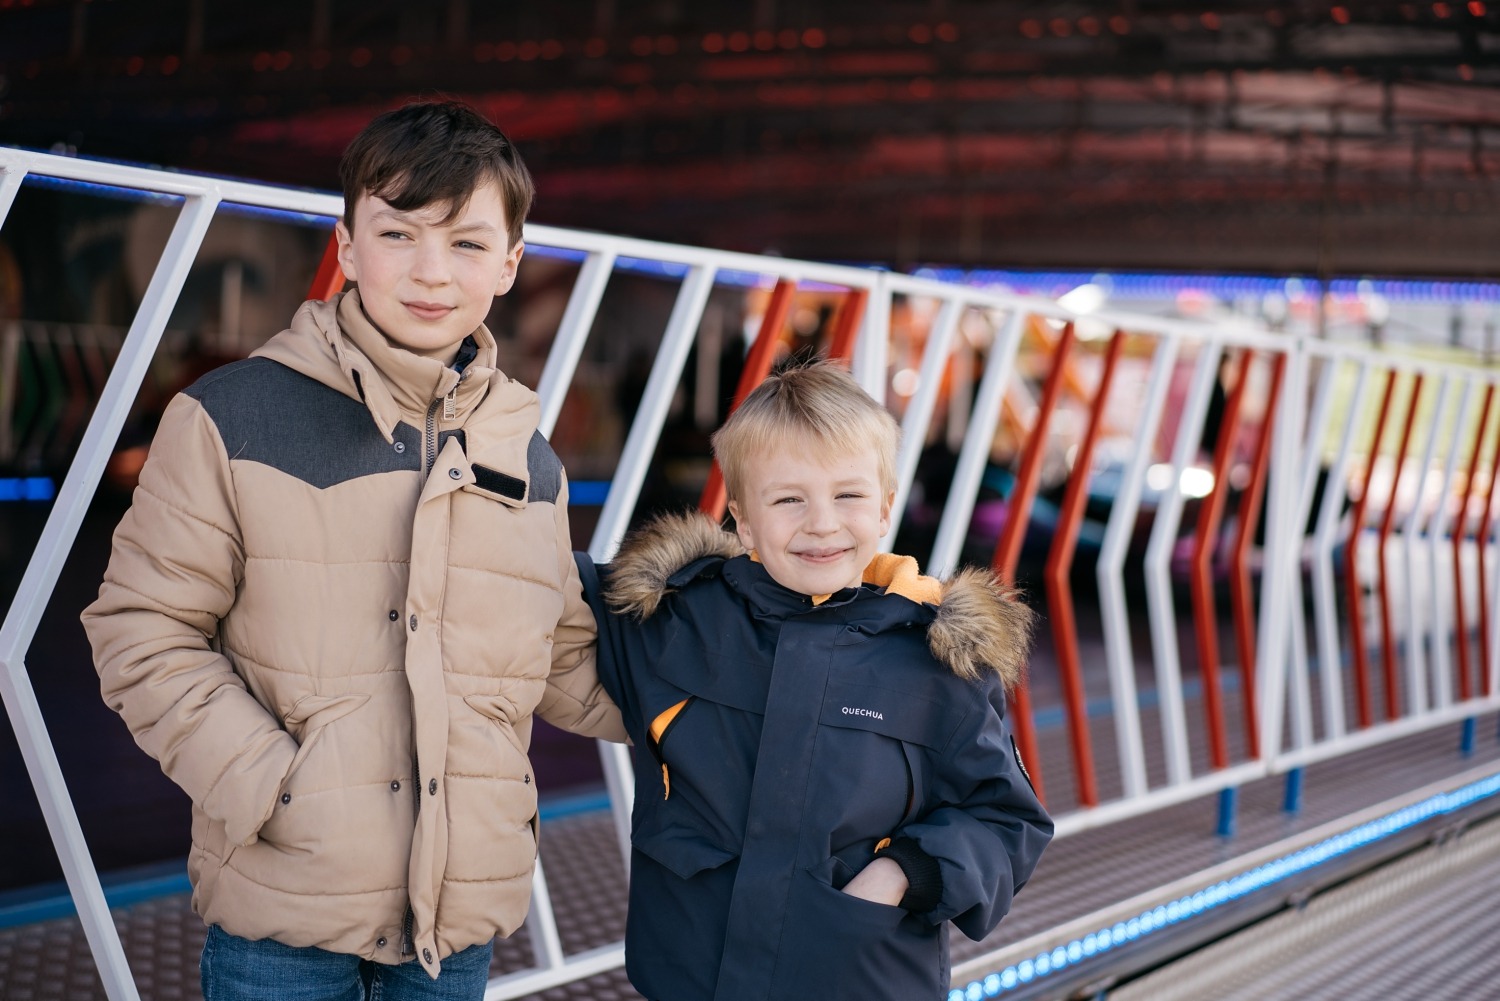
x=655, y=742
x=429, y=442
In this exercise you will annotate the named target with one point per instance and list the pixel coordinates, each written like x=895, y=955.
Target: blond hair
x=818, y=402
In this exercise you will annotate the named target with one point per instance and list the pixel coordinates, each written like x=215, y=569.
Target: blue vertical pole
x=1466, y=739
x=1292, y=801
x=1228, y=809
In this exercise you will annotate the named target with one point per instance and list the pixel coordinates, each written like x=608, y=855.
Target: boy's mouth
x=821, y=555
x=428, y=310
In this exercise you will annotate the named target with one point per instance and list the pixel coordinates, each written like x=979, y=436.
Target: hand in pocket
x=880, y=882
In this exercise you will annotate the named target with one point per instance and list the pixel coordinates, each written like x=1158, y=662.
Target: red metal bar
x=1482, y=540
x=1205, y=541
x=1387, y=631
x=1351, y=568
x=1060, y=594
x=757, y=367
x=1018, y=514
x=846, y=324
x=1460, y=526
x=329, y=280
x=1239, y=560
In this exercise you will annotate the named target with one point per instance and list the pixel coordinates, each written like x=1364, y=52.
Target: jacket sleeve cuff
x=923, y=875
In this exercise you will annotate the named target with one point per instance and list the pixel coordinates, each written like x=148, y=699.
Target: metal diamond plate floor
x=1419, y=929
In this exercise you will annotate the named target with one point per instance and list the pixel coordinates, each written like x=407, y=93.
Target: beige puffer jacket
x=337, y=654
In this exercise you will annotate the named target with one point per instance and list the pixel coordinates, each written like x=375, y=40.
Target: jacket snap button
x=414, y=623
x=395, y=615
x=400, y=447
x=432, y=787
x=286, y=798
x=396, y=785
x=427, y=955
x=455, y=474
x=380, y=942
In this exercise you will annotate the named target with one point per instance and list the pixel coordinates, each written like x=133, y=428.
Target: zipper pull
x=450, y=404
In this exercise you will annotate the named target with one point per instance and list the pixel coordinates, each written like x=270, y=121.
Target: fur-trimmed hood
x=979, y=623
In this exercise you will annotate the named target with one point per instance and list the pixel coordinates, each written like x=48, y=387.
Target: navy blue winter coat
x=793, y=740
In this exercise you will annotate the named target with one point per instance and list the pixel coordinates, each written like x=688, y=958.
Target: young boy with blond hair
x=824, y=777
x=344, y=586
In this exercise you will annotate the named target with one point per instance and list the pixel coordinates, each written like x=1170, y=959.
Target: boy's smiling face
x=427, y=284
x=814, y=520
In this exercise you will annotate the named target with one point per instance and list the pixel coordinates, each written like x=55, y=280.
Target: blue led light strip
x=641, y=266
x=117, y=192
x=27, y=488
x=1221, y=286
x=1223, y=892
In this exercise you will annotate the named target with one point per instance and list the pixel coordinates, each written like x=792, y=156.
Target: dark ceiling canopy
x=1262, y=136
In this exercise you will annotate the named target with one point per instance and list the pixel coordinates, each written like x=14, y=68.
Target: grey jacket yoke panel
x=270, y=414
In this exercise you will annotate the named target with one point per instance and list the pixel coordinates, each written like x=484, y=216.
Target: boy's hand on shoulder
x=881, y=882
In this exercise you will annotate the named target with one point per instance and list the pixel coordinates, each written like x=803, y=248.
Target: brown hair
x=435, y=152
x=817, y=402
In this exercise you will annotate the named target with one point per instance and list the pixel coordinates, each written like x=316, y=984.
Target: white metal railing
x=1423, y=691
x=1179, y=353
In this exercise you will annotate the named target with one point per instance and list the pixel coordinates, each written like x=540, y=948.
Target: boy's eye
x=469, y=245
x=392, y=234
x=786, y=500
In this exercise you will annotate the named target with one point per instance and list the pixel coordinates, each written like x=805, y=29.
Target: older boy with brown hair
x=824, y=777
x=343, y=588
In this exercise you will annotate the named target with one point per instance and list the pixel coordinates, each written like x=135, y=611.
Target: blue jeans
x=236, y=969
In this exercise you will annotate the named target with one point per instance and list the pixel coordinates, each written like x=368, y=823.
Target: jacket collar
x=977, y=623
x=335, y=343
x=749, y=578
x=892, y=574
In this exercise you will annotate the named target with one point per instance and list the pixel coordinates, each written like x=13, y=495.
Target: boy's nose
x=821, y=519
x=430, y=266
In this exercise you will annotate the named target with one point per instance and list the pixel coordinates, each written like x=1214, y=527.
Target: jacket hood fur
x=981, y=624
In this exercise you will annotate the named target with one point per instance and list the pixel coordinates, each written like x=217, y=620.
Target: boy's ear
x=512, y=260
x=346, y=250
x=885, y=512
x=747, y=538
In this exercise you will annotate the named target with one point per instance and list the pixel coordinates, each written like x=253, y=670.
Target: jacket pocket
x=499, y=707
x=916, y=791
x=313, y=712
x=907, y=716
x=309, y=716
x=500, y=712
x=864, y=949
x=680, y=849
x=307, y=721
x=656, y=736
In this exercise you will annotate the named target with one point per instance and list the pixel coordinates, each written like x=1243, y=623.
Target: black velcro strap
x=500, y=483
